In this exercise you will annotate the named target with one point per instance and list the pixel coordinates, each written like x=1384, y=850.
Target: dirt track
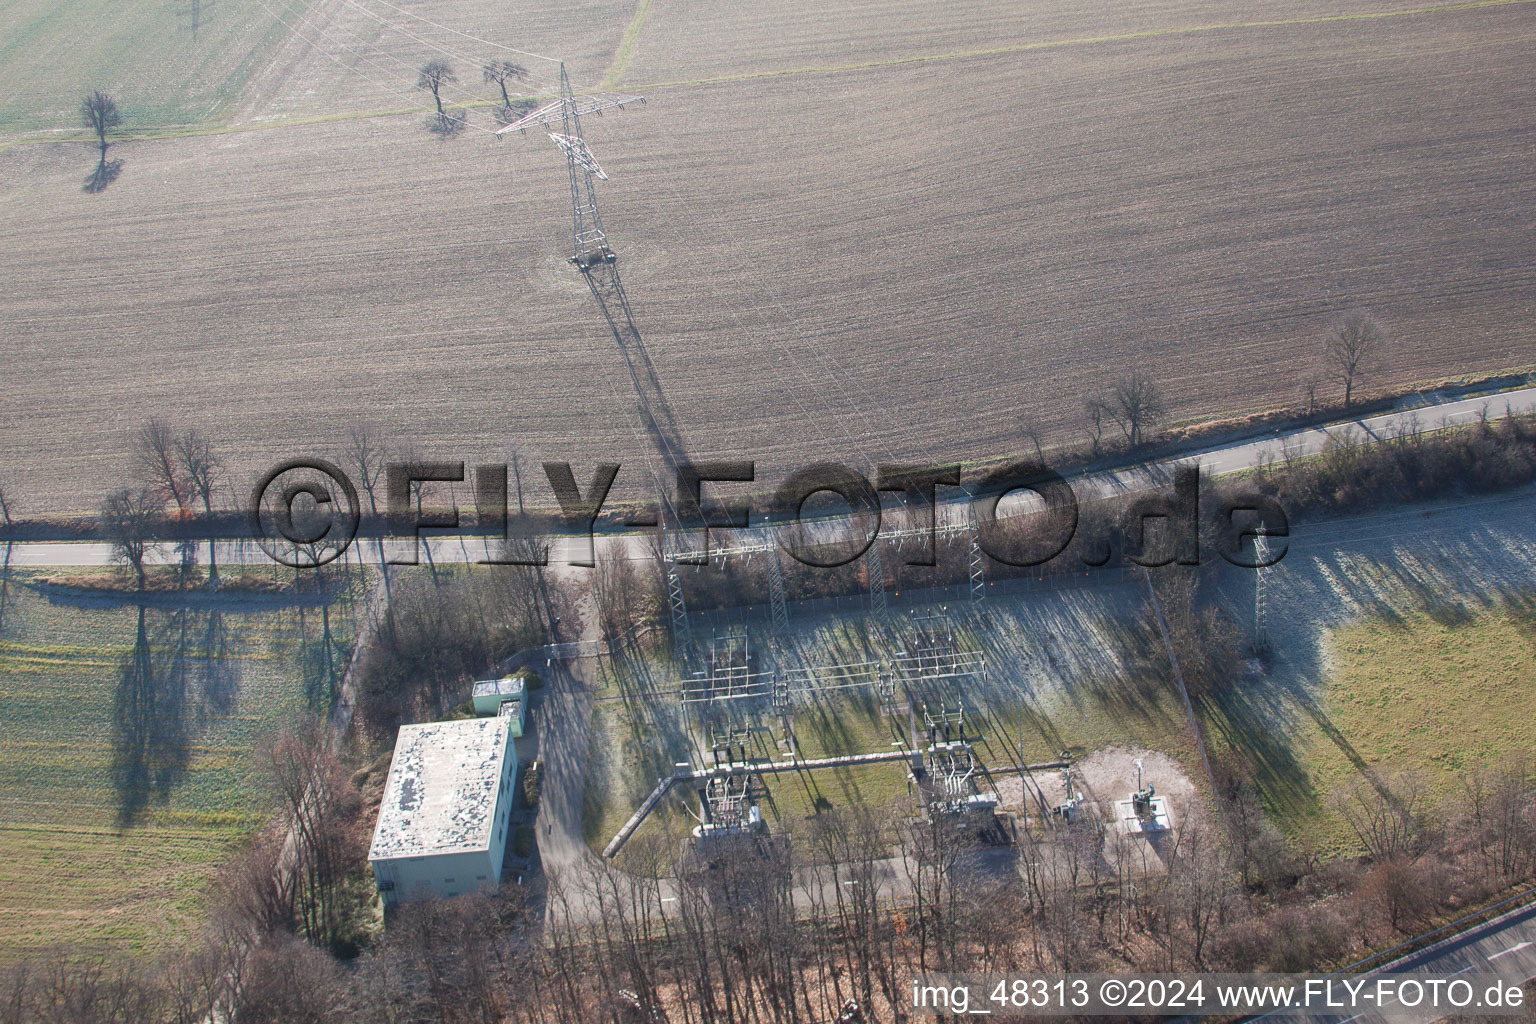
x=897, y=262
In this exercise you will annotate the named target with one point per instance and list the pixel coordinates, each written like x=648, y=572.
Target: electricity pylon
x=1260, y=558
x=591, y=242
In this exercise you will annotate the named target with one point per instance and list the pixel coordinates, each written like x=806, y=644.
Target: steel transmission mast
x=590, y=247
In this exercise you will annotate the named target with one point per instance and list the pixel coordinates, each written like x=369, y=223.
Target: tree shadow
x=447, y=124
x=176, y=658
x=218, y=676
x=322, y=660
x=515, y=111
x=149, y=735
x=106, y=173
x=1256, y=721
x=5, y=584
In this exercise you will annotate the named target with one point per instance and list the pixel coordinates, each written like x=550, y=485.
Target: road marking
x=1463, y=970
x=1511, y=949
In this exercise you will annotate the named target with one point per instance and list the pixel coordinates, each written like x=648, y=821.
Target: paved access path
x=1419, y=412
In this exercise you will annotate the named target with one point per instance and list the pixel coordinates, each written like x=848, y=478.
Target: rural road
x=1504, y=947
x=1419, y=412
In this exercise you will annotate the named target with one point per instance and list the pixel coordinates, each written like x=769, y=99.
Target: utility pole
x=1261, y=569
x=876, y=570
x=590, y=243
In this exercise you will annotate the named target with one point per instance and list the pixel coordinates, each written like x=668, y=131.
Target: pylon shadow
x=655, y=412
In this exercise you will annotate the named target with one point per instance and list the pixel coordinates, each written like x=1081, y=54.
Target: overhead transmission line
x=466, y=35
x=546, y=85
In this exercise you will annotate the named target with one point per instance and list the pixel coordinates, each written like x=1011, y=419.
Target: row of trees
x=1134, y=404
x=178, y=474
x=437, y=73
x=99, y=111
x=800, y=931
x=1415, y=464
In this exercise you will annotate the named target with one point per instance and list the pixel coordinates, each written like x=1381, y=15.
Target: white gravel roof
x=442, y=789
x=507, y=686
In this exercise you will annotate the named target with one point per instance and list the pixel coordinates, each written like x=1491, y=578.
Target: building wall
x=506, y=796
x=435, y=876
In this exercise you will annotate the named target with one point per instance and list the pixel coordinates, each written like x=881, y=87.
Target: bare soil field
x=688, y=39
x=895, y=262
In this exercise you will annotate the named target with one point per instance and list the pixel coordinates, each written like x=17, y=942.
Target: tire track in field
x=628, y=43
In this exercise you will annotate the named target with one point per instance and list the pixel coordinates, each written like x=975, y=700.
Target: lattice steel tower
x=590, y=247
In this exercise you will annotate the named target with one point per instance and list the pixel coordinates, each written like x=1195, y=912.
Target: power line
x=466, y=35
x=473, y=61
x=362, y=56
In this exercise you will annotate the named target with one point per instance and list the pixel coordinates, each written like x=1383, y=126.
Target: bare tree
x=1351, y=348
x=1499, y=808
x=1309, y=389
x=1094, y=411
x=156, y=454
x=1387, y=815
x=99, y=112
x=291, y=982
x=251, y=901
x=367, y=451
x=623, y=601
x=69, y=990
x=319, y=804
x=5, y=506
x=126, y=519
x=1136, y=405
x=200, y=469
x=434, y=75
x=1404, y=890
x=499, y=71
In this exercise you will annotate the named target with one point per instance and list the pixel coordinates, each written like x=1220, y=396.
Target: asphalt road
x=1419, y=413
x=1503, y=949
x=1505, y=946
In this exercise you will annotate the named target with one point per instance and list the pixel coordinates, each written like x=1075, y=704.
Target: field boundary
x=628, y=43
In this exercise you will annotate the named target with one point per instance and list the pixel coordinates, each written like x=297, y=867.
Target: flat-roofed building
x=492, y=697
x=443, y=823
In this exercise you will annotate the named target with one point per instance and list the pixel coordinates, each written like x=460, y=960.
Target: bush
x=532, y=775
x=523, y=841
x=441, y=631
